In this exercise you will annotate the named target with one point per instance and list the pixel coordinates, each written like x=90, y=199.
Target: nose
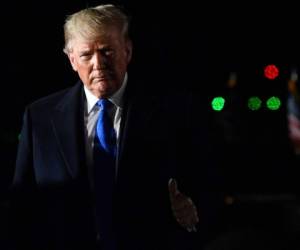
x=99, y=61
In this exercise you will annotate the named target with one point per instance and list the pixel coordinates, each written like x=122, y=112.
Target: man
x=64, y=194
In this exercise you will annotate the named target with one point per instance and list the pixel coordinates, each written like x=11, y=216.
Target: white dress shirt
x=91, y=113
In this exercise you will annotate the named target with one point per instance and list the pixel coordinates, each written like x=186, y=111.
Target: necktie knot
x=104, y=104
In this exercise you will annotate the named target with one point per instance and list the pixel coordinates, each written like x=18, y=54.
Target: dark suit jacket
x=52, y=206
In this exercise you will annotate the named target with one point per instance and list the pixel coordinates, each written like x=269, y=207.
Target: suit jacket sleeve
x=22, y=192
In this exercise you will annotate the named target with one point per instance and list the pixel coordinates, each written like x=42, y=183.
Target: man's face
x=101, y=63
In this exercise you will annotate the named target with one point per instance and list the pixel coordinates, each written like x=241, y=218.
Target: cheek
x=122, y=63
x=84, y=72
x=84, y=68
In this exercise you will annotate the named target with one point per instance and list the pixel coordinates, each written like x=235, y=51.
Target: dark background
x=196, y=45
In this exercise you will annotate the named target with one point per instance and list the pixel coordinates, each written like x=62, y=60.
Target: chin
x=100, y=93
x=99, y=89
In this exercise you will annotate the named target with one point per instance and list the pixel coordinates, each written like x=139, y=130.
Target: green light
x=19, y=137
x=254, y=103
x=218, y=103
x=273, y=103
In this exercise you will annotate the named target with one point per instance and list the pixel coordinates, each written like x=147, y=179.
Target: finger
x=191, y=229
x=182, y=203
x=187, y=220
x=187, y=217
x=188, y=227
x=173, y=190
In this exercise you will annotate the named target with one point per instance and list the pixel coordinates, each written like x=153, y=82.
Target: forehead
x=109, y=37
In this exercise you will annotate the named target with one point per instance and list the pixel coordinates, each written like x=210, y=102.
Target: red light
x=271, y=71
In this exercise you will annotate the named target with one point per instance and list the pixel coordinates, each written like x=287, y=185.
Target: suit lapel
x=67, y=121
x=68, y=124
x=138, y=111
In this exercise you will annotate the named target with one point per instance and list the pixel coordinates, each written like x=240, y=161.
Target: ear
x=72, y=60
x=128, y=50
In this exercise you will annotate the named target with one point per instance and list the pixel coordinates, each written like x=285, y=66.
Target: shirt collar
x=116, y=98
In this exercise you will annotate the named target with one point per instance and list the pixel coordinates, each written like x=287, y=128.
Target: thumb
x=173, y=190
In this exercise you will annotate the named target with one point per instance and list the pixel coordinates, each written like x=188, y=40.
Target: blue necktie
x=105, y=149
x=104, y=130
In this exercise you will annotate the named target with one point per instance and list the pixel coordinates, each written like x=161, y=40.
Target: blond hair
x=91, y=23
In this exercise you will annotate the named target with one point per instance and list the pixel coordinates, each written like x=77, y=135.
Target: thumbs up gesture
x=184, y=210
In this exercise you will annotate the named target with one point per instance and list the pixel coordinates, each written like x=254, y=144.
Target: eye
x=85, y=55
x=107, y=52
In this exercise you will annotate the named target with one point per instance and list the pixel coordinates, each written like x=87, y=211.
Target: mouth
x=102, y=77
x=100, y=81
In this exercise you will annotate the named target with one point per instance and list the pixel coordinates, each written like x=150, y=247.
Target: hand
x=184, y=210
x=294, y=132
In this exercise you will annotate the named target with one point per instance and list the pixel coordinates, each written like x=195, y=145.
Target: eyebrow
x=84, y=51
